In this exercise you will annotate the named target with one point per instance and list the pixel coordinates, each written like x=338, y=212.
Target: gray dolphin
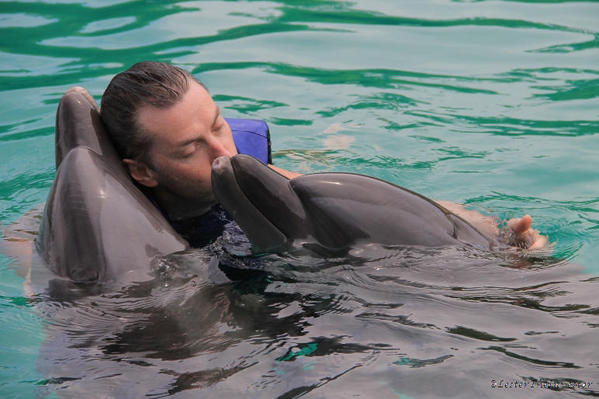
x=330, y=212
x=97, y=225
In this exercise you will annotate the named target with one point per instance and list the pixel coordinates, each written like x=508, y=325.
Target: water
x=491, y=103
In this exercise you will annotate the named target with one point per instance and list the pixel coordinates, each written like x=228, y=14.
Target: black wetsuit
x=233, y=248
x=202, y=230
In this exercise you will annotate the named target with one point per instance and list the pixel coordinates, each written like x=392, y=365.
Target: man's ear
x=141, y=172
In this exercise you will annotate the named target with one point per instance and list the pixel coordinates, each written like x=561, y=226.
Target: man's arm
x=517, y=232
x=286, y=173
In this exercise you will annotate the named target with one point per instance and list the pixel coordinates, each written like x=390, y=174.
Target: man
x=168, y=130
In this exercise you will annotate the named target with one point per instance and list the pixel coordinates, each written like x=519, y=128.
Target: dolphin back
x=97, y=225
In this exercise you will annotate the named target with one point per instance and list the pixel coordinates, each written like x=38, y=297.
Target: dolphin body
x=331, y=212
x=97, y=225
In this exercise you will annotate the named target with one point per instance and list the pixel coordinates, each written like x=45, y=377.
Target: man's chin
x=191, y=207
x=178, y=204
x=200, y=201
x=208, y=200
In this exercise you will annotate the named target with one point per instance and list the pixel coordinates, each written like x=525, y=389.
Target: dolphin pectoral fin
x=263, y=235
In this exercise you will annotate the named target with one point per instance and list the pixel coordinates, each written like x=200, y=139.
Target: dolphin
x=329, y=213
x=97, y=225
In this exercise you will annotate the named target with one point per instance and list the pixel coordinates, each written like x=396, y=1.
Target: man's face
x=186, y=138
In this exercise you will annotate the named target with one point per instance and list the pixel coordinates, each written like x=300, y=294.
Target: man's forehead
x=194, y=112
x=195, y=99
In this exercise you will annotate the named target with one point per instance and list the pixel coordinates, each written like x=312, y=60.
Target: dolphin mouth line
x=264, y=235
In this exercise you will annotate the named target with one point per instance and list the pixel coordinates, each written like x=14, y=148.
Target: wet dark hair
x=157, y=84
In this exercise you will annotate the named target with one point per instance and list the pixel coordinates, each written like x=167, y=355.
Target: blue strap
x=251, y=137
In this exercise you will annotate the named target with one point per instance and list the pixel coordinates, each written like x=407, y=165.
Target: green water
x=494, y=104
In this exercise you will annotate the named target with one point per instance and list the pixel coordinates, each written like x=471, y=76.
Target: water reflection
x=300, y=324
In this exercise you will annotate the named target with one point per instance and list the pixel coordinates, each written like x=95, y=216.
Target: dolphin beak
x=260, y=231
x=220, y=164
x=222, y=171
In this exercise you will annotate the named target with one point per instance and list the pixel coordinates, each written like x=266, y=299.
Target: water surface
x=490, y=103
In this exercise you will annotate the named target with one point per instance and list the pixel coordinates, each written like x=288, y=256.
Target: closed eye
x=190, y=149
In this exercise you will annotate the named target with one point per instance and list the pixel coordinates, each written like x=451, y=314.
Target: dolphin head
x=260, y=200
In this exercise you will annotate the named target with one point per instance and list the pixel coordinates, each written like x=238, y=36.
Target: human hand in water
x=519, y=233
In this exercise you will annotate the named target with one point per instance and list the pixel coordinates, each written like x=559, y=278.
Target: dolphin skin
x=331, y=212
x=97, y=225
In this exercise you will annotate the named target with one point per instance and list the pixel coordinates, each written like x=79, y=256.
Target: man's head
x=167, y=129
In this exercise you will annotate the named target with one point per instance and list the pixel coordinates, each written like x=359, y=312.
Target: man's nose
x=218, y=148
